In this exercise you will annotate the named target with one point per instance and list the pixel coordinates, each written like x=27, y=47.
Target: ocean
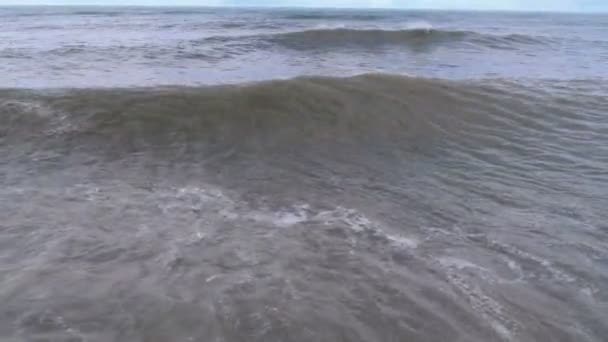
x=247, y=174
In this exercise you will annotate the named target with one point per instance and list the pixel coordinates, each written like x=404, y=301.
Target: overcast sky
x=549, y=5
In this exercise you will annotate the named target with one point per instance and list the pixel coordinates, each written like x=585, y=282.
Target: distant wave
x=221, y=47
x=67, y=12
x=330, y=16
x=341, y=37
x=74, y=11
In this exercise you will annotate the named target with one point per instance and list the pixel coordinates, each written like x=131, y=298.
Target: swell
x=100, y=12
x=221, y=47
x=340, y=37
x=368, y=112
x=276, y=114
x=334, y=16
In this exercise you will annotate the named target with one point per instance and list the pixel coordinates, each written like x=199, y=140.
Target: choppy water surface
x=302, y=175
x=97, y=46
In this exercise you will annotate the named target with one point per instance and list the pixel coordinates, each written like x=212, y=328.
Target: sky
x=533, y=5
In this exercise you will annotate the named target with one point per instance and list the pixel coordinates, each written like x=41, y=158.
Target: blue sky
x=550, y=5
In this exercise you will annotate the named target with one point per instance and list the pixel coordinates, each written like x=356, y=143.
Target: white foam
x=403, y=241
x=206, y=193
x=515, y=268
x=350, y=217
x=491, y=310
x=419, y=25
x=341, y=216
x=211, y=278
x=589, y=291
x=459, y=263
x=555, y=272
x=335, y=26
x=283, y=218
x=59, y=122
x=36, y=108
x=502, y=330
x=359, y=223
x=195, y=198
x=279, y=219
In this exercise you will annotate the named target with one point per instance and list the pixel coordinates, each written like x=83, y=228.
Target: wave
x=331, y=16
x=322, y=114
x=344, y=37
x=57, y=11
x=67, y=12
x=220, y=47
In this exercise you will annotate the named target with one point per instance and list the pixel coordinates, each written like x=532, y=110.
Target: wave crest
x=415, y=36
x=374, y=111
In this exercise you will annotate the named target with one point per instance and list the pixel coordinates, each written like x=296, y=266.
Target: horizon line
x=315, y=8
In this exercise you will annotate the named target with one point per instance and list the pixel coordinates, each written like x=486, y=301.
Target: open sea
x=277, y=175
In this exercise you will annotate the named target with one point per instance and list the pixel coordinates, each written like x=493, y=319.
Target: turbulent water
x=284, y=175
